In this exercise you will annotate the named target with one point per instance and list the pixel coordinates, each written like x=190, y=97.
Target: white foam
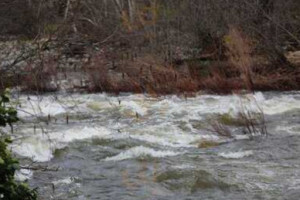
x=241, y=137
x=39, y=107
x=236, y=155
x=134, y=107
x=40, y=147
x=202, y=104
x=79, y=134
x=49, y=105
x=64, y=181
x=167, y=113
x=23, y=174
x=184, y=166
x=281, y=104
x=290, y=129
x=34, y=148
x=167, y=134
x=140, y=151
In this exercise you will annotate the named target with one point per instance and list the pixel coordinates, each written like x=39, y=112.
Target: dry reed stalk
x=239, y=54
x=254, y=122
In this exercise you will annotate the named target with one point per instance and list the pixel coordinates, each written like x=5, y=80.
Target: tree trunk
x=67, y=10
x=131, y=10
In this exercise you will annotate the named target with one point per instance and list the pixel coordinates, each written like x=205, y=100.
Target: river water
x=139, y=147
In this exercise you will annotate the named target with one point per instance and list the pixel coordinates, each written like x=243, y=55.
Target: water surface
x=139, y=147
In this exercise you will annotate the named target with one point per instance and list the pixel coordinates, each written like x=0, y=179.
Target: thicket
x=170, y=28
x=10, y=189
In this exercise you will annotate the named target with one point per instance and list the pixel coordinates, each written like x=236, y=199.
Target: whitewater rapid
x=132, y=128
x=165, y=114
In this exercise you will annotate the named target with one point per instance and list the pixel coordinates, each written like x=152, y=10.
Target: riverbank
x=46, y=66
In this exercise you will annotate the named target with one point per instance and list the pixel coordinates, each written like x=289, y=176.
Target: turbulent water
x=139, y=147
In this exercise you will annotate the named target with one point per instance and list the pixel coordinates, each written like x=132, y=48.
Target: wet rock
x=208, y=144
x=192, y=180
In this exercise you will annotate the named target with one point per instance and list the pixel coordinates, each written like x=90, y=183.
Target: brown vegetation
x=40, y=76
x=156, y=46
x=140, y=75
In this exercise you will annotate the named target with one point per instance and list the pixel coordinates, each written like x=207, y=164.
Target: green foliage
x=8, y=115
x=9, y=188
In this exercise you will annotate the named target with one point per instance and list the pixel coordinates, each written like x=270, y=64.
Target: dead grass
x=220, y=84
x=277, y=81
x=239, y=49
x=139, y=75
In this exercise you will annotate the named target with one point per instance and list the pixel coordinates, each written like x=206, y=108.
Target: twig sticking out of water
x=220, y=129
x=67, y=119
x=252, y=121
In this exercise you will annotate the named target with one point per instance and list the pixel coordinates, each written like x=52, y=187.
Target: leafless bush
x=40, y=76
x=97, y=70
x=252, y=121
x=255, y=123
x=253, y=117
x=220, y=129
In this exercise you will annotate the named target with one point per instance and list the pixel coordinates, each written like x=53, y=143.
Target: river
x=141, y=147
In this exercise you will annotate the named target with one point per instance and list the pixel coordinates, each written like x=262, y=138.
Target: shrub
x=41, y=76
x=252, y=122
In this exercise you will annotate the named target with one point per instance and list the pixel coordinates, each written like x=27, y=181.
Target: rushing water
x=138, y=147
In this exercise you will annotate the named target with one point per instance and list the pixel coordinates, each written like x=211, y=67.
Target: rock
x=208, y=144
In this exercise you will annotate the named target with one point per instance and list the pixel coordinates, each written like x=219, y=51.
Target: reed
x=239, y=49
